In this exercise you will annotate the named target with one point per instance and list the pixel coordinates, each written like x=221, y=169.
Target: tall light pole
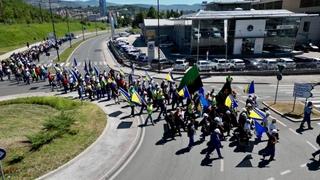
x=54, y=31
x=158, y=36
x=70, y=38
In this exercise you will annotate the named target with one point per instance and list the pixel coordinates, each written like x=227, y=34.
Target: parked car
x=220, y=64
x=269, y=64
x=313, y=47
x=124, y=34
x=287, y=63
x=204, y=65
x=236, y=64
x=317, y=61
x=181, y=64
x=252, y=64
x=164, y=63
x=305, y=62
x=142, y=57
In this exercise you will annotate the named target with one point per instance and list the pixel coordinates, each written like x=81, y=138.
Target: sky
x=167, y=2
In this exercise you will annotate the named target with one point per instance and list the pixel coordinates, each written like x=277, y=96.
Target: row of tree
x=17, y=11
x=152, y=13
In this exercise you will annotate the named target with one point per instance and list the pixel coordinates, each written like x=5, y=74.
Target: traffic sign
x=302, y=90
x=279, y=76
x=2, y=154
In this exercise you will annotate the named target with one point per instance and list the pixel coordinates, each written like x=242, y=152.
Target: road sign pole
x=2, y=174
x=275, y=98
x=294, y=103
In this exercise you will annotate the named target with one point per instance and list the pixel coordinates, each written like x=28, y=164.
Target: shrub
x=16, y=158
x=39, y=139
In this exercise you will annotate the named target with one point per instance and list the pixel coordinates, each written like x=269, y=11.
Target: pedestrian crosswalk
x=80, y=64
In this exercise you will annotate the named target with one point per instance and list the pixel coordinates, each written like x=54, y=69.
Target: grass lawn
x=17, y=35
x=66, y=53
x=42, y=133
x=286, y=109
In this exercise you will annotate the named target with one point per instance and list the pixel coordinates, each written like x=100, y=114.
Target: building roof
x=154, y=22
x=243, y=14
x=230, y=2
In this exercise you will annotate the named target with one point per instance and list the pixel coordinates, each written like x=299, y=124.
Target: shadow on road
x=207, y=161
x=183, y=150
x=314, y=165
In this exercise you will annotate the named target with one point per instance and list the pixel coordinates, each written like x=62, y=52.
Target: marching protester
x=307, y=116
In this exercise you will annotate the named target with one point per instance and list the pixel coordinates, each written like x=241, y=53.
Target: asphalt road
x=156, y=159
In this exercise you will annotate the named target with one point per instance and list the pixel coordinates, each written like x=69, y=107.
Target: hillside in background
x=17, y=11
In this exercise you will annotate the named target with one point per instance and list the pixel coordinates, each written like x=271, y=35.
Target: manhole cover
x=124, y=125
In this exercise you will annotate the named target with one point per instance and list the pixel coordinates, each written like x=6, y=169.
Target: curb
x=288, y=118
x=124, y=160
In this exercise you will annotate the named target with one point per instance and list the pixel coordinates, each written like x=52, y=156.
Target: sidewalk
x=8, y=54
x=102, y=158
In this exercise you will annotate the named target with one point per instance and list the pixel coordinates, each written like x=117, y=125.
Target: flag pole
x=198, y=42
x=226, y=42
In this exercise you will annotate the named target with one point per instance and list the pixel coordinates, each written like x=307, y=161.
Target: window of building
x=309, y=3
x=306, y=26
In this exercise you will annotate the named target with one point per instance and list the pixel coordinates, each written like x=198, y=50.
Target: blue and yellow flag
x=136, y=98
x=249, y=89
x=259, y=129
x=169, y=77
x=230, y=102
x=184, y=92
x=124, y=94
x=257, y=114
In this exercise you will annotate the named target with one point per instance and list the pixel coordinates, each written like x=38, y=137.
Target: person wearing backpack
x=318, y=151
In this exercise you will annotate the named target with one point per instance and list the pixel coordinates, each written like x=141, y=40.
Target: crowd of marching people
x=22, y=66
x=185, y=107
x=215, y=115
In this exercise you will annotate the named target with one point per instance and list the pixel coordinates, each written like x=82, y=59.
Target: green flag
x=192, y=80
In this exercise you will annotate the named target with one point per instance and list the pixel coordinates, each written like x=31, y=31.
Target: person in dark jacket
x=271, y=145
x=318, y=151
x=215, y=143
x=191, y=131
x=307, y=116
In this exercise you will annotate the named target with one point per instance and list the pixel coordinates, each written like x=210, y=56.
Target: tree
x=152, y=13
x=138, y=18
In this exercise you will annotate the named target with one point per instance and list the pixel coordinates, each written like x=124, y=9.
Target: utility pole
x=70, y=38
x=158, y=37
x=95, y=22
x=54, y=31
x=40, y=12
x=82, y=22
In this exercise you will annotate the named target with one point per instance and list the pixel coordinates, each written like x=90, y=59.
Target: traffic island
x=40, y=134
x=285, y=109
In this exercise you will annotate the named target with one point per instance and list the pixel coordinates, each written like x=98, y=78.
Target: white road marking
x=271, y=178
x=68, y=63
x=293, y=131
x=317, y=106
x=312, y=145
x=303, y=165
x=285, y=172
x=318, y=124
x=61, y=64
x=279, y=121
x=221, y=165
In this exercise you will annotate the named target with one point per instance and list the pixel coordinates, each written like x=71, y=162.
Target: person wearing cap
x=271, y=145
x=307, y=116
x=205, y=126
x=215, y=143
x=149, y=111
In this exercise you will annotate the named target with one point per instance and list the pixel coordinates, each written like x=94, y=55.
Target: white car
x=236, y=64
x=287, y=63
x=220, y=64
x=269, y=64
x=204, y=65
x=181, y=64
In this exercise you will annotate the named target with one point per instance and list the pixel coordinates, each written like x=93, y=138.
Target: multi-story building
x=103, y=8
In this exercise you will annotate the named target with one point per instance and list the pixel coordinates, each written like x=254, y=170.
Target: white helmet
x=205, y=115
x=216, y=119
x=274, y=131
x=217, y=131
x=228, y=112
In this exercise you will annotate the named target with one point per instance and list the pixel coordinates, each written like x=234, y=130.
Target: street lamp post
x=70, y=38
x=54, y=31
x=158, y=37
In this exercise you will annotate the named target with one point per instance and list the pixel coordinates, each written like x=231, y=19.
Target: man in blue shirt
x=307, y=116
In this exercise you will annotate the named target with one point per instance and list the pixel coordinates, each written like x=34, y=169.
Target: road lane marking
x=312, y=145
x=50, y=64
x=67, y=64
x=293, y=131
x=279, y=121
x=271, y=178
x=318, y=124
x=303, y=165
x=285, y=172
x=221, y=165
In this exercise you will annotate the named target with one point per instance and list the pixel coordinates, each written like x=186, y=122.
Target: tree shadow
x=314, y=165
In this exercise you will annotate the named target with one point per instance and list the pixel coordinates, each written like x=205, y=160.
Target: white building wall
x=314, y=31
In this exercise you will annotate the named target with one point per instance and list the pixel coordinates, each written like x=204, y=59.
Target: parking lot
x=134, y=49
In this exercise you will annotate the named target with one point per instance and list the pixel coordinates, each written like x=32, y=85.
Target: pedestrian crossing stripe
x=79, y=63
x=61, y=64
x=67, y=64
